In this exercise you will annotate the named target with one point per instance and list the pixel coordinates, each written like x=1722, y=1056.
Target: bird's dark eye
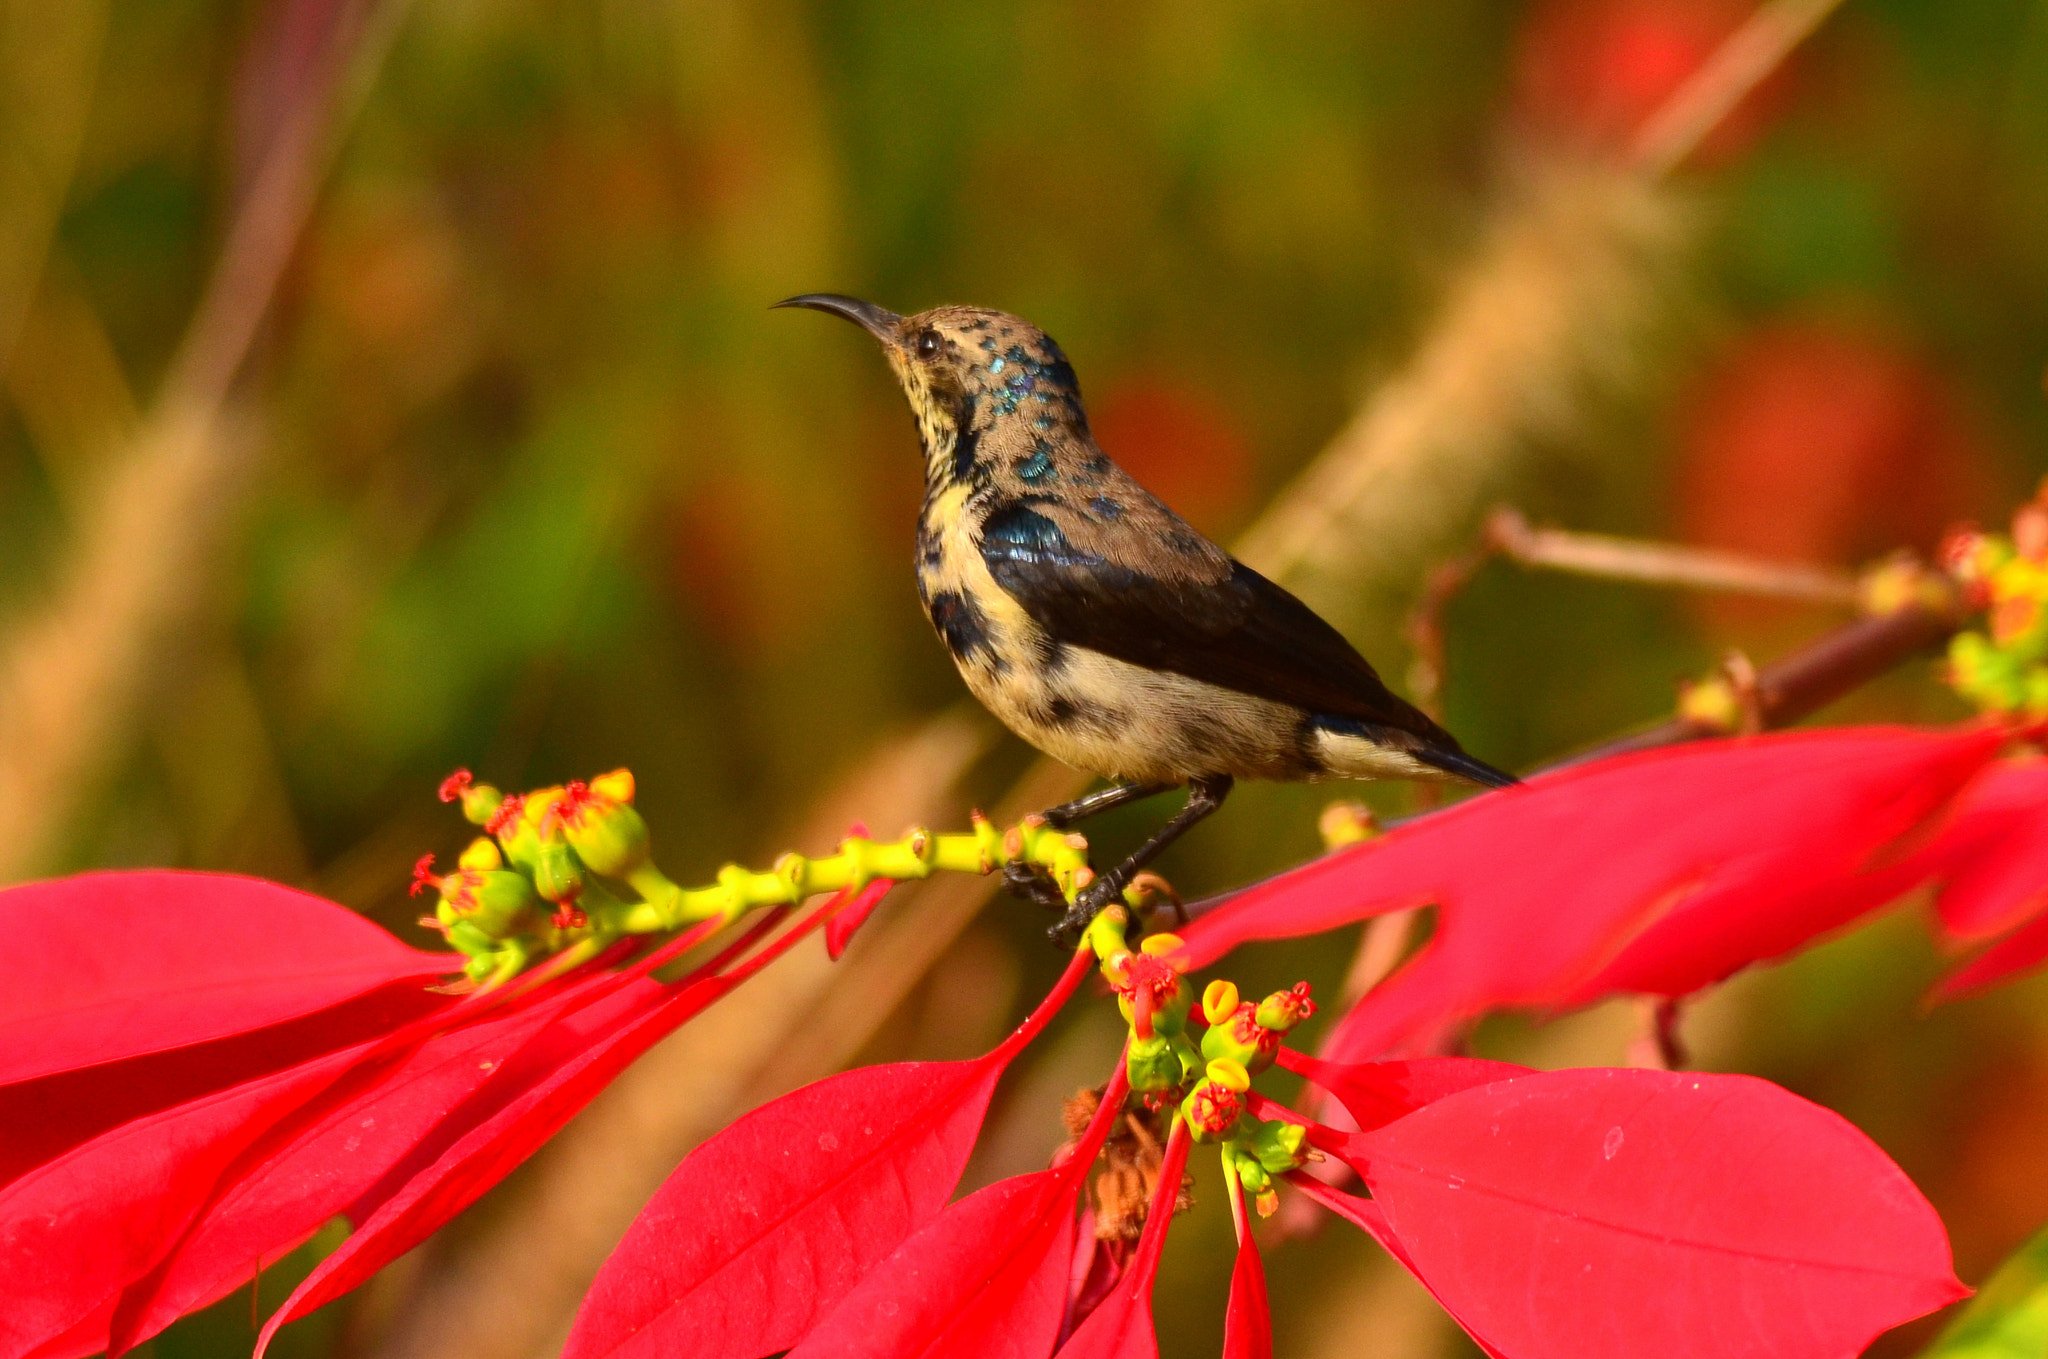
x=928, y=344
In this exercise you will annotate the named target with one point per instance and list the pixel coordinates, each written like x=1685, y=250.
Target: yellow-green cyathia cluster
x=2004, y=668
x=1210, y=1085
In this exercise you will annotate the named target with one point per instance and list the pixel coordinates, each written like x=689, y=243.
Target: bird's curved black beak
x=877, y=321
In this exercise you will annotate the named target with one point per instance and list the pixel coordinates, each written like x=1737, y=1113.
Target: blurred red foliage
x=1816, y=441
x=1591, y=71
x=1181, y=445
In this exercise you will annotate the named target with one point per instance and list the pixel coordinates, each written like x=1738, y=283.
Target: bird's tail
x=1465, y=767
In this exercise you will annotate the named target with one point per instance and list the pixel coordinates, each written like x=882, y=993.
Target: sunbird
x=1096, y=623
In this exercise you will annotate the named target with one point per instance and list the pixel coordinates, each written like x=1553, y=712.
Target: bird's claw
x=1030, y=882
x=1096, y=895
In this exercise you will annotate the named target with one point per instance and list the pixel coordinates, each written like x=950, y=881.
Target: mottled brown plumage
x=1096, y=622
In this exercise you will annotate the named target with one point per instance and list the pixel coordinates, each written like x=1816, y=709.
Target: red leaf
x=1538, y=1208
x=1248, y=1320
x=779, y=1215
x=325, y=1157
x=1092, y=1274
x=1121, y=1328
x=1377, y=1093
x=77, y=1229
x=86, y=1338
x=771, y=1222
x=987, y=1277
x=1541, y=885
x=132, y=963
x=1714, y=934
x=2021, y=951
x=49, y=1115
x=850, y=917
x=1993, y=857
x=554, y=1076
x=1367, y=1216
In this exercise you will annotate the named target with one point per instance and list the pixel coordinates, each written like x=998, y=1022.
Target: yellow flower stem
x=1234, y=1190
x=860, y=861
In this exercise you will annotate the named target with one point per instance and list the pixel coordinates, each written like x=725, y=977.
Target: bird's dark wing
x=1241, y=632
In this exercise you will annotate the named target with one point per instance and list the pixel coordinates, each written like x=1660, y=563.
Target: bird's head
x=967, y=371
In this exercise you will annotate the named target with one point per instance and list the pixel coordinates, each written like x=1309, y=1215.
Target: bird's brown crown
x=980, y=383
x=983, y=383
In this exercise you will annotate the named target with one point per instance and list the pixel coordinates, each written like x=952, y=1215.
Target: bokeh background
x=390, y=387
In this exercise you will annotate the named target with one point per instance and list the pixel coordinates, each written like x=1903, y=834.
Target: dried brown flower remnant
x=1122, y=1187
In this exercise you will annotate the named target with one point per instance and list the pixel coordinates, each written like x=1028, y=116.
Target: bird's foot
x=1031, y=882
x=1148, y=892
x=1095, y=896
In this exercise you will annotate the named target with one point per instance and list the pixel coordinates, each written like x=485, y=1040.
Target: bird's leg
x=1205, y=795
x=1103, y=800
x=1030, y=882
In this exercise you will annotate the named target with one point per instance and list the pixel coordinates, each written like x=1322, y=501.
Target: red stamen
x=1149, y=981
x=1216, y=1107
x=507, y=813
x=455, y=785
x=576, y=801
x=423, y=876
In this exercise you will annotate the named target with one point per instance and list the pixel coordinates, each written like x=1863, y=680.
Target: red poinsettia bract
x=1590, y=1214
x=1991, y=862
x=208, y=1068
x=1624, y=1212
x=205, y=1069
x=1659, y=872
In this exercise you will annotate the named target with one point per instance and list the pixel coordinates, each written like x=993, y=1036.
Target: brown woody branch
x=1798, y=685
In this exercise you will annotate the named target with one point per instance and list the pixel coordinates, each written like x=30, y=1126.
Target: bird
x=1099, y=625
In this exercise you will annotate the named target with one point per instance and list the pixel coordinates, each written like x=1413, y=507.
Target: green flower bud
x=1276, y=1145
x=1240, y=1038
x=515, y=832
x=1154, y=1065
x=610, y=837
x=1283, y=1010
x=480, y=801
x=500, y=902
x=1150, y=991
x=482, y=854
x=557, y=875
x=466, y=938
x=1250, y=1173
x=1212, y=1108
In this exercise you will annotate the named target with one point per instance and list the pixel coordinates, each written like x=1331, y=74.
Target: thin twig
x=1737, y=67
x=1692, y=568
x=274, y=211
x=1658, y=1045
x=1426, y=626
x=71, y=677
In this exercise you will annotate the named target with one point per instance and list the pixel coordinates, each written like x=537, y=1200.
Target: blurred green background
x=519, y=472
